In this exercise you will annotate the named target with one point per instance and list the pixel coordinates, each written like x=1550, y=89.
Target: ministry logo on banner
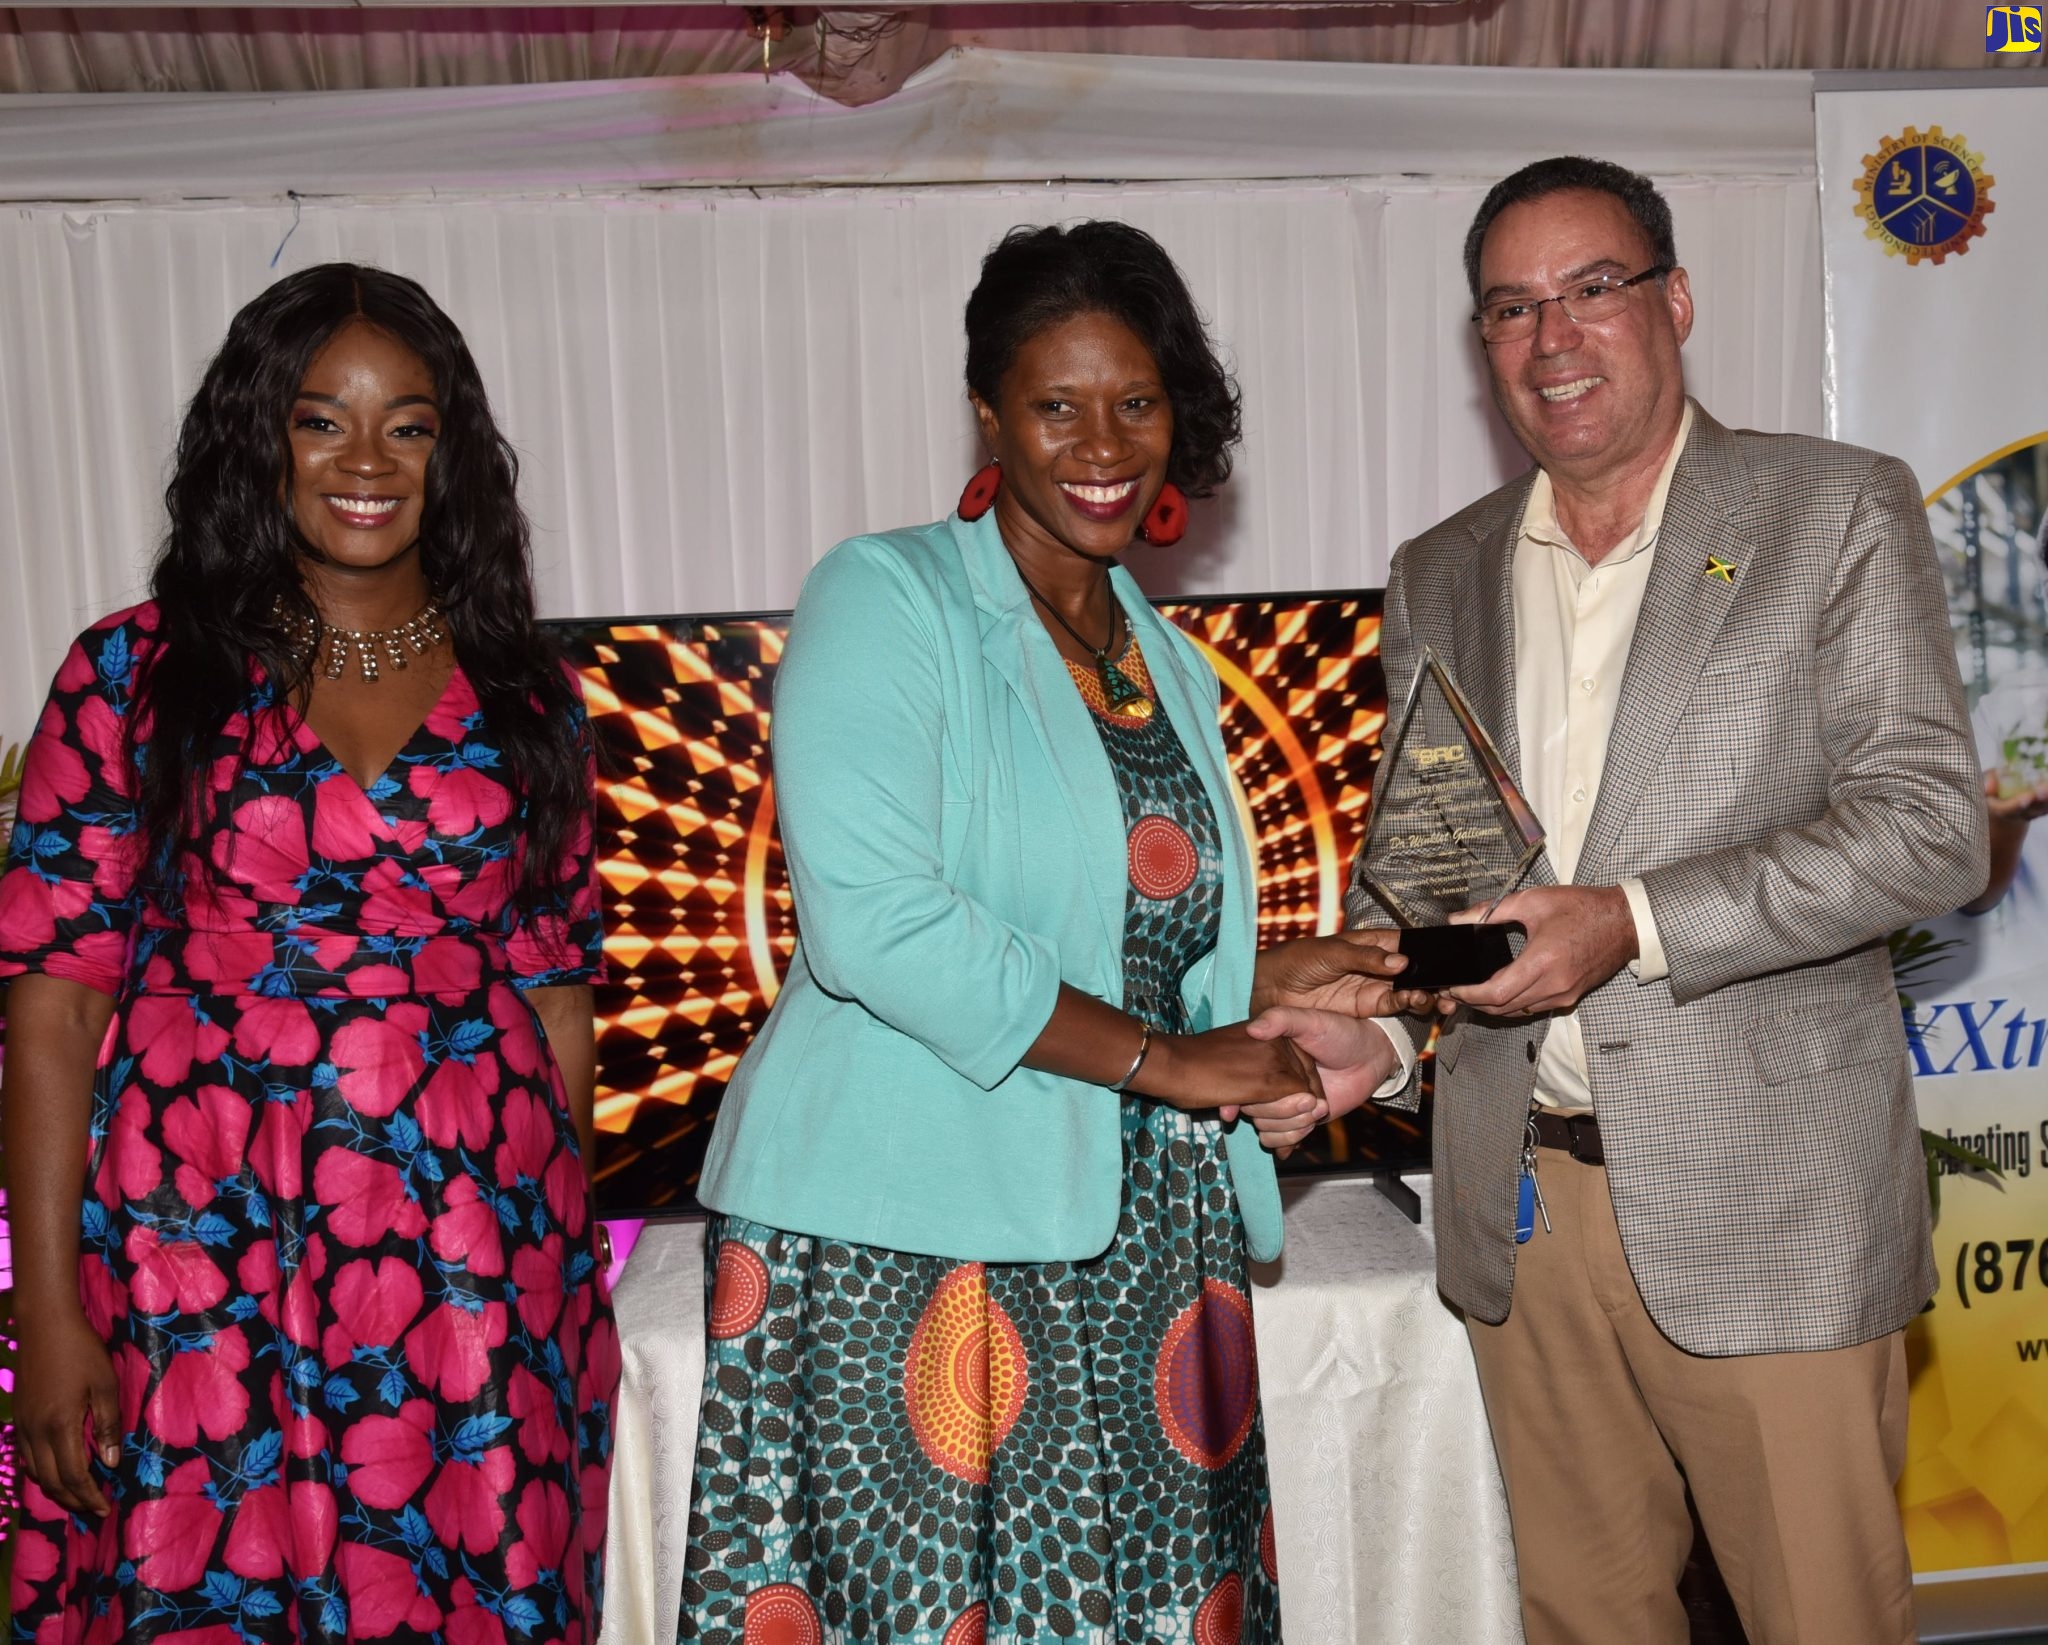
x=2012, y=28
x=1924, y=195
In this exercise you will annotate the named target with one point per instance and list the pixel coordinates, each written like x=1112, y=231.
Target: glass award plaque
x=1447, y=830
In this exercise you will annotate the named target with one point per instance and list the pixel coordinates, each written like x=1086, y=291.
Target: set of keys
x=1529, y=1200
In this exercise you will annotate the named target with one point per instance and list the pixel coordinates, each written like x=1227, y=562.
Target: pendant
x=1118, y=690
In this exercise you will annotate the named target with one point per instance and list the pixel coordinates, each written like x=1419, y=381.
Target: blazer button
x=1531, y=1049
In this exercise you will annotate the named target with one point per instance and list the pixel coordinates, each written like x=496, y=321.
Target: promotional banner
x=1935, y=232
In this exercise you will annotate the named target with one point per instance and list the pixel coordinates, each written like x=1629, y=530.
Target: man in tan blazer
x=1719, y=665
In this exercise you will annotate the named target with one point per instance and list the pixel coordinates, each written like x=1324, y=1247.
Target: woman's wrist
x=45, y=1271
x=1157, y=1074
x=37, y=1311
x=1131, y=1070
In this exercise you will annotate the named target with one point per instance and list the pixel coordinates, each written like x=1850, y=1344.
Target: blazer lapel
x=1483, y=662
x=1185, y=698
x=1015, y=644
x=1484, y=638
x=1683, y=609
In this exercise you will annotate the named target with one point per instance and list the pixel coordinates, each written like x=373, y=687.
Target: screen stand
x=1405, y=1199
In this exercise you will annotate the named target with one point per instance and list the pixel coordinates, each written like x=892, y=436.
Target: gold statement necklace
x=1125, y=698
x=310, y=638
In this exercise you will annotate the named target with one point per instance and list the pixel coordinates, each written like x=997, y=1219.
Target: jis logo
x=2012, y=28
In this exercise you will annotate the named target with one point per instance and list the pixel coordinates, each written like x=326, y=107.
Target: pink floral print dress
x=335, y=1228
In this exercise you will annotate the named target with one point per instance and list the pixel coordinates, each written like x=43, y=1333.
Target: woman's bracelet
x=1137, y=1062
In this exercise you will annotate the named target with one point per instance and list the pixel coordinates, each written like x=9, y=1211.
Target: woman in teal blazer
x=981, y=1359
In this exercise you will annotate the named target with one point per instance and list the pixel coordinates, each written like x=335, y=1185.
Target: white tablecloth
x=1386, y=1499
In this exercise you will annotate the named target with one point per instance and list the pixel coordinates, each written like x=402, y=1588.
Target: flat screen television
x=699, y=922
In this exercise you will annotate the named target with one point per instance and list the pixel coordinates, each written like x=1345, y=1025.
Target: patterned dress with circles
x=911, y=1450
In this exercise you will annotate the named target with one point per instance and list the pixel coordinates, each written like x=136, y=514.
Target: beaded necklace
x=421, y=632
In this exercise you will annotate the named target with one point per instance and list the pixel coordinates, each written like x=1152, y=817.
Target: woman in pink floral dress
x=297, y=1105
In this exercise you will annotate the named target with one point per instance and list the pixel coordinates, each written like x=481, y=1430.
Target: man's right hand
x=1353, y=1057
x=64, y=1376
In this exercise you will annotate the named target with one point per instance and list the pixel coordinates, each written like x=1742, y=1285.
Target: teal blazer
x=955, y=841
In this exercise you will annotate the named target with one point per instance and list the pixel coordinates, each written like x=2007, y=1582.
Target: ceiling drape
x=974, y=117
x=860, y=55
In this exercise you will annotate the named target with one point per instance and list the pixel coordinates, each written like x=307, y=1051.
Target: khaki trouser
x=1601, y=1425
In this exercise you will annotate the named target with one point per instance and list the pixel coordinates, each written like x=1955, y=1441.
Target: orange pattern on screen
x=698, y=915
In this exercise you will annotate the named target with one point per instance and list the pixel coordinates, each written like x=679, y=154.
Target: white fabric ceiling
x=857, y=56
x=975, y=116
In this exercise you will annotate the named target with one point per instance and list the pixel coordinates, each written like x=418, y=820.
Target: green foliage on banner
x=1915, y=951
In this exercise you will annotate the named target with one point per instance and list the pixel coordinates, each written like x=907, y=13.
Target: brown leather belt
x=1575, y=1134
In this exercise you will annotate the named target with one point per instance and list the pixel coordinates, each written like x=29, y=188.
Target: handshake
x=1312, y=1051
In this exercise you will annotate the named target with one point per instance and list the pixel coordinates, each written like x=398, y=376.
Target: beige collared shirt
x=1574, y=624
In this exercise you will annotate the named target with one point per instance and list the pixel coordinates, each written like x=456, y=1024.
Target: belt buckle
x=1585, y=1149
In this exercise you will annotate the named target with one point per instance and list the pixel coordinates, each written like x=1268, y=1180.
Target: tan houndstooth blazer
x=1791, y=775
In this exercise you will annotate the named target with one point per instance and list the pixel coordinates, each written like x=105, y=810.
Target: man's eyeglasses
x=1601, y=298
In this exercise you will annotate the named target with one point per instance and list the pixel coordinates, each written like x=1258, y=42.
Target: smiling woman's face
x=1083, y=431
x=361, y=431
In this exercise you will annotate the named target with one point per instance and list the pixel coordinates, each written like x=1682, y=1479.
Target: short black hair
x=1037, y=277
x=1575, y=171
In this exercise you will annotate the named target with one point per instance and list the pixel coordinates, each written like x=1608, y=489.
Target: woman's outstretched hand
x=1352, y=973
x=1272, y=1084
x=1225, y=1068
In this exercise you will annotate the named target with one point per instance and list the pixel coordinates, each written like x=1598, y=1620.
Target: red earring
x=980, y=495
x=1166, y=521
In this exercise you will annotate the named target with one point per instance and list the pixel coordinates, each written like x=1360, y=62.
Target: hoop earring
x=980, y=495
x=1166, y=521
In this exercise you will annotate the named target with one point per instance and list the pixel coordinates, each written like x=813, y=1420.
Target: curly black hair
x=1036, y=277
x=1541, y=178
x=230, y=563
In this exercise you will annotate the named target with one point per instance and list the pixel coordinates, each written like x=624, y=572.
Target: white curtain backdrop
x=709, y=389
